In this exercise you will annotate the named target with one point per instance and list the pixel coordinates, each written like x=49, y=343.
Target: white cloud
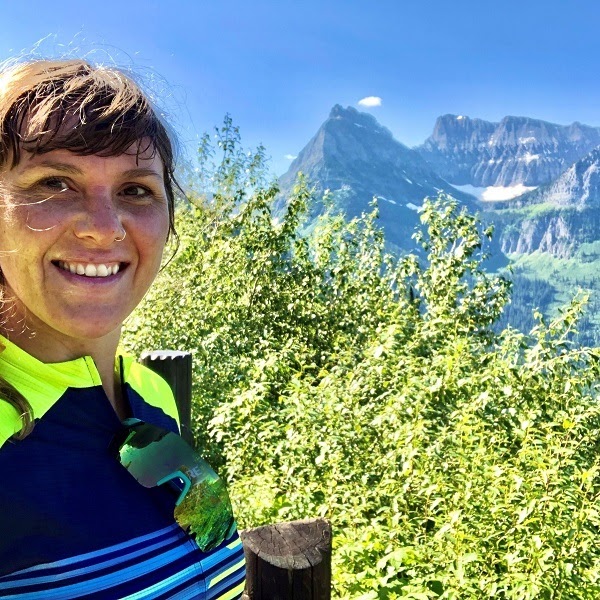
x=370, y=101
x=290, y=157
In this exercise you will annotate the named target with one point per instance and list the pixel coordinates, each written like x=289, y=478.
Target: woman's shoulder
x=149, y=386
x=10, y=421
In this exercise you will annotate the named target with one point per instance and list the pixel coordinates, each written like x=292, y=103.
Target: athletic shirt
x=73, y=522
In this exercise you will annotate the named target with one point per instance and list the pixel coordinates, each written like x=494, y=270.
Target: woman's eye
x=136, y=190
x=55, y=183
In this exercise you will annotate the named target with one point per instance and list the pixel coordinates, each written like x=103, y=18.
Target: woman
x=87, y=192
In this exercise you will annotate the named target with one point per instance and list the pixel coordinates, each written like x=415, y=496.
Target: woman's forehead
x=67, y=163
x=139, y=154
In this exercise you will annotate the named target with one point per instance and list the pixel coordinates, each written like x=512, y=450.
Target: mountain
x=517, y=150
x=356, y=158
x=578, y=187
x=557, y=218
x=552, y=234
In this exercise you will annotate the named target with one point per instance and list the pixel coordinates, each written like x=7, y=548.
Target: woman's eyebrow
x=57, y=166
x=142, y=172
x=70, y=169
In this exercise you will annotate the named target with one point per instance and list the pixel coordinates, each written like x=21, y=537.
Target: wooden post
x=288, y=561
x=176, y=368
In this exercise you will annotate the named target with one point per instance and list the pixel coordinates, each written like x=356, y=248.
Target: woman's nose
x=100, y=221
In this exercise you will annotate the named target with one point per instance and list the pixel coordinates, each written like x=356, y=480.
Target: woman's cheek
x=44, y=215
x=153, y=224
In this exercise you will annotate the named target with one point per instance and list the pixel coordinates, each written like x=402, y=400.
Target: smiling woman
x=88, y=214
x=87, y=194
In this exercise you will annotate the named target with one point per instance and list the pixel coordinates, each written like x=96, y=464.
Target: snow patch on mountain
x=495, y=193
x=527, y=158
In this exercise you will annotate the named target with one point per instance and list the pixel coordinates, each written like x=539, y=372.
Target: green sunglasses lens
x=155, y=456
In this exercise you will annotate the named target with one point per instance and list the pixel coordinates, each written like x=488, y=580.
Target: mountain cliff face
x=518, y=150
x=356, y=158
x=578, y=187
x=557, y=218
x=558, y=232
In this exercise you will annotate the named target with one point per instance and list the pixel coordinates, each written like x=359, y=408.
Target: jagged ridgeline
x=561, y=218
x=517, y=150
x=550, y=233
x=356, y=159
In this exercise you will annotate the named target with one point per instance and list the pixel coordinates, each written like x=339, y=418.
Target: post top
x=164, y=354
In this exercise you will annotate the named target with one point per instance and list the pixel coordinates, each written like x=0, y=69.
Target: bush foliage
x=333, y=380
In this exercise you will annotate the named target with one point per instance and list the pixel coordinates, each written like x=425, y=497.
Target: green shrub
x=333, y=380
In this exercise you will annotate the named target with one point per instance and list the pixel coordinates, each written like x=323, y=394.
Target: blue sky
x=279, y=66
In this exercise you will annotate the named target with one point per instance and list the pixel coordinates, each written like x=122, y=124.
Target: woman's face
x=62, y=217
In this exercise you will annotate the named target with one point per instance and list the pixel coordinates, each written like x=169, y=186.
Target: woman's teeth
x=89, y=270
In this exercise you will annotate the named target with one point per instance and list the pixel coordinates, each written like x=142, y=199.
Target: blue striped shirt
x=73, y=522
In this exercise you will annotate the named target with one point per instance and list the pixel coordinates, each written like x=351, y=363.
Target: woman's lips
x=90, y=269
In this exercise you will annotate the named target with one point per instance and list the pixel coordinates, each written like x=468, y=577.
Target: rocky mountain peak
x=577, y=188
x=450, y=129
x=557, y=218
x=517, y=150
x=356, y=158
x=350, y=117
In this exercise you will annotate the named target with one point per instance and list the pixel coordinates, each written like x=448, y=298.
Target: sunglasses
x=155, y=457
